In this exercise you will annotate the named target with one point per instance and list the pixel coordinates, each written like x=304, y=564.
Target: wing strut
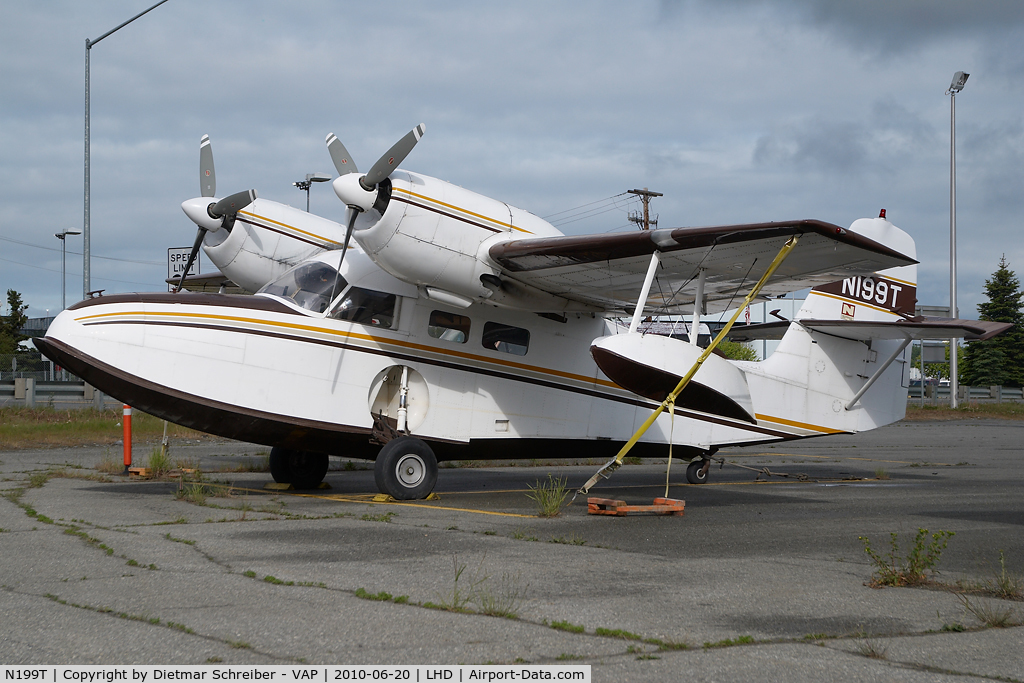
x=698, y=305
x=670, y=400
x=638, y=312
x=878, y=373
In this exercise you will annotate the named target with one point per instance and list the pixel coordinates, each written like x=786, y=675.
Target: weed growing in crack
x=872, y=649
x=383, y=517
x=566, y=626
x=914, y=569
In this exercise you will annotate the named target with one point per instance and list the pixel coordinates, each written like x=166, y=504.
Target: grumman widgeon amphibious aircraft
x=459, y=327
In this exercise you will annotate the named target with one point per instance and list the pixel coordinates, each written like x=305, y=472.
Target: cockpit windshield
x=310, y=285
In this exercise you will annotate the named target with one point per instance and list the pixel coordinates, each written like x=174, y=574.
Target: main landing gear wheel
x=301, y=469
x=406, y=469
x=697, y=472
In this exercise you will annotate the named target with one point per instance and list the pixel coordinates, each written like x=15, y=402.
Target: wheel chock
x=618, y=508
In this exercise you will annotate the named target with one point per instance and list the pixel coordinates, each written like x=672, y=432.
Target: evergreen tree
x=999, y=360
x=10, y=325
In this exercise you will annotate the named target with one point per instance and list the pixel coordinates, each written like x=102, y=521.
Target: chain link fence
x=32, y=365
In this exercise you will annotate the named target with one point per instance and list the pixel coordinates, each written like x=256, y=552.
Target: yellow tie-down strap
x=616, y=462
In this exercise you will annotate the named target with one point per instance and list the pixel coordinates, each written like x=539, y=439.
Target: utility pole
x=644, y=222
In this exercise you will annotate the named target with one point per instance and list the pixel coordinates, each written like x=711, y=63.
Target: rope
x=616, y=462
x=799, y=476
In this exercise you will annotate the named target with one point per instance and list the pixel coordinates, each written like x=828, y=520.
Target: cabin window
x=505, y=338
x=449, y=327
x=310, y=285
x=366, y=307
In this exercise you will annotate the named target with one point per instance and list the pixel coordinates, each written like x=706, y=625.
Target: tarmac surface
x=759, y=580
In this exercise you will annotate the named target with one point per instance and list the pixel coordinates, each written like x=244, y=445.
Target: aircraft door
x=386, y=397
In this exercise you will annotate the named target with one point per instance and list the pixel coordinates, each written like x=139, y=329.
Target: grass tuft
x=988, y=613
x=549, y=496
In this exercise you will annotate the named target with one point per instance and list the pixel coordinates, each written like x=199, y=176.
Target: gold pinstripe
x=382, y=341
x=289, y=227
x=799, y=425
x=355, y=335
x=460, y=209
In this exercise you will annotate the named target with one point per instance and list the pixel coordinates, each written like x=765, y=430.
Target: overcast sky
x=736, y=110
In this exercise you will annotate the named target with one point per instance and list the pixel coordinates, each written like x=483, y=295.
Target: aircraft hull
x=253, y=369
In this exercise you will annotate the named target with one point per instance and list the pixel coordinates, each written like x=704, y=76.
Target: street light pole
x=310, y=179
x=959, y=79
x=63, y=263
x=86, y=248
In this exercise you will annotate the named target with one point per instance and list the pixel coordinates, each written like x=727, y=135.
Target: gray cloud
x=736, y=110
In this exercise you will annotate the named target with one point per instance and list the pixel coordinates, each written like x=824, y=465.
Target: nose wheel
x=406, y=469
x=697, y=471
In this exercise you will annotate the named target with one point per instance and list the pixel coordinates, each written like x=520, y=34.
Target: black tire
x=406, y=469
x=301, y=469
x=695, y=472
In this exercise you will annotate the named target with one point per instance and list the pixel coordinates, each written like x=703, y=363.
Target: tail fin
x=814, y=379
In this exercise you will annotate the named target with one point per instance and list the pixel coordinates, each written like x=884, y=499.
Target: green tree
x=999, y=360
x=736, y=351
x=10, y=325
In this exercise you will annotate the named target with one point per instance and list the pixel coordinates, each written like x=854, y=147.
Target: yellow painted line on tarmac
x=367, y=498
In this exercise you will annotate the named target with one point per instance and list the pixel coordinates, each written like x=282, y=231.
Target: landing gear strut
x=301, y=469
x=697, y=471
x=406, y=469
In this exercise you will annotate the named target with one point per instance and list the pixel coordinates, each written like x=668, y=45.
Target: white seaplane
x=464, y=328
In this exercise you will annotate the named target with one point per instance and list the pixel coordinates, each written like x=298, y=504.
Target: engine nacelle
x=267, y=238
x=435, y=235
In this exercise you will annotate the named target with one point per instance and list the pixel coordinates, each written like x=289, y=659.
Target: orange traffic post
x=127, y=425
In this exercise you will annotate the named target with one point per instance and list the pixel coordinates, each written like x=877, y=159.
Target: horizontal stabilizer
x=918, y=328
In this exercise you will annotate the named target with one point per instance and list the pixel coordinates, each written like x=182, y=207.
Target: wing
x=208, y=282
x=607, y=271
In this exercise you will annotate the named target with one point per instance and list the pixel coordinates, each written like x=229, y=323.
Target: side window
x=366, y=307
x=449, y=327
x=505, y=338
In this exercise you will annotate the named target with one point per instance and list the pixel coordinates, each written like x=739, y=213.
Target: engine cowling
x=436, y=235
x=266, y=239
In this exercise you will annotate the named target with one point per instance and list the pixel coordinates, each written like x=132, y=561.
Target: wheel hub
x=410, y=470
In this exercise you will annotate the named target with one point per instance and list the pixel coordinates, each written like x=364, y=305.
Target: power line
x=51, y=270
x=78, y=253
x=589, y=210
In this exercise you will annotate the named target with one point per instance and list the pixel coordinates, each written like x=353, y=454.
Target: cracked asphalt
x=759, y=580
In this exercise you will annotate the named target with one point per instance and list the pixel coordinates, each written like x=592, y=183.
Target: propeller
x=207, y=176
x=223, y=211
x=360, y=192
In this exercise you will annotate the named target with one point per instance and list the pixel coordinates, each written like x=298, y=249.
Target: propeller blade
x=232, y=203
x=392, y=158
x=191, y=257
x=340, y=156
x=353, y=214
x=207, y=176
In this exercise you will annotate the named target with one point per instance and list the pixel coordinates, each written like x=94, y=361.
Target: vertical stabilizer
x=812, y=379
